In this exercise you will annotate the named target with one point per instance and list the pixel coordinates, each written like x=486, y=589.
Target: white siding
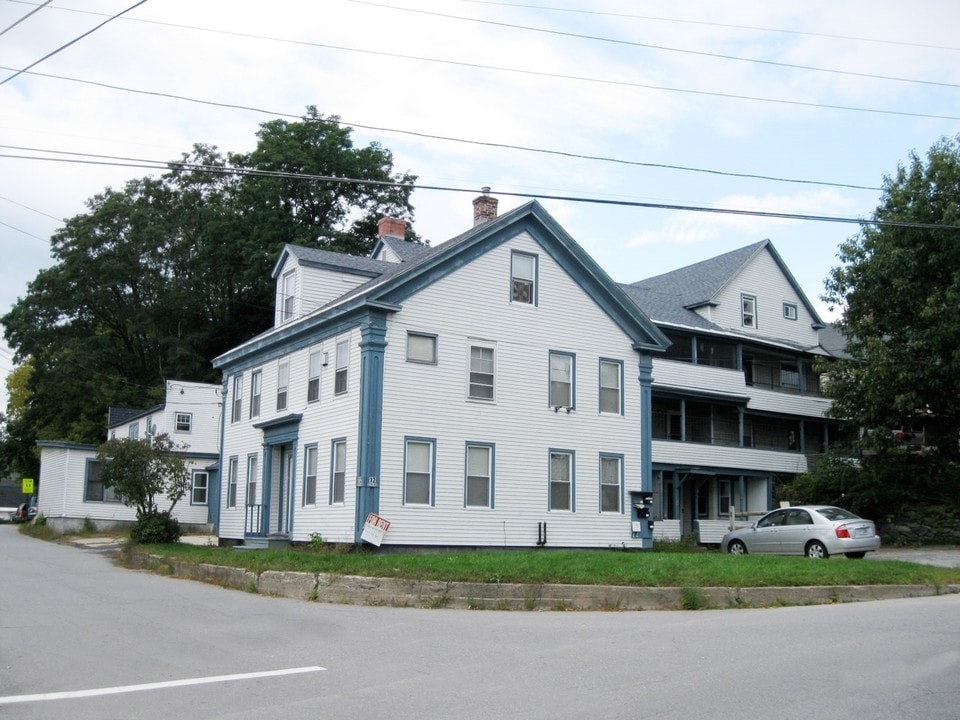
x=431, y=401
x=721, y=456
x=321, y=286
x=63, y=484
x=331, y=417
x=763, y=279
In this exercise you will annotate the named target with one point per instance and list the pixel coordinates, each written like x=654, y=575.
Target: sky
x=797, y=107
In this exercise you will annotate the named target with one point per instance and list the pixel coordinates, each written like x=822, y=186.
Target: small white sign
x=374, y=529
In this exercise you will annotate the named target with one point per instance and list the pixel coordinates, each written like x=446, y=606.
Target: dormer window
x=523, y=278
x=748, y=310
x=288, y=296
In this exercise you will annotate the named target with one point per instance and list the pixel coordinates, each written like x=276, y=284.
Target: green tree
x=159, y=277
x=141, y=471
x=899, y=291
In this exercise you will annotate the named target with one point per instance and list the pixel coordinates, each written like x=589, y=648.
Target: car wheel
x=736, y=547
x=856, y=555
x=817, y=550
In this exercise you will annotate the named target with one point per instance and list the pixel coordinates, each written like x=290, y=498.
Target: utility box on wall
x=641, y=517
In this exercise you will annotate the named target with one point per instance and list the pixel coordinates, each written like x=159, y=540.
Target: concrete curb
x=354, y=590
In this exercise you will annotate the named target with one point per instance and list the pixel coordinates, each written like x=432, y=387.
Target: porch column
x=646, y=436
x=373, y=342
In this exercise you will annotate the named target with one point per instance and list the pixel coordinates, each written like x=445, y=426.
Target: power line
x=75, y=40
x=649, y=46
x=730, y=26
x=17, y=22
x=27, y=207
x=222, y=170
x=445, y=138
x=30, y=234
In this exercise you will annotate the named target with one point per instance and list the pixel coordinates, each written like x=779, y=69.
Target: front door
x=281, y=495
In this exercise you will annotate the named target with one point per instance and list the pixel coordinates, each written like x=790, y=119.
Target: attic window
x=790, y=311
x=748, y=310
x=523, y=278
x=288, y=296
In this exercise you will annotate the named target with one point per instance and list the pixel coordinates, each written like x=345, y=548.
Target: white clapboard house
x=737, y=400
x=70, y=491
x=491, y=391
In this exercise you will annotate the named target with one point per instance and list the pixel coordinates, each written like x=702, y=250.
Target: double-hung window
x=611, y=382
x=561, y=480
x=343, y=360
x=183, y=422
x=256, y=383
x=133, y=431
x=479, y=480
x=236, y=414
x=288, y=299
x=790, y=311
x=523, y=278
x=310, y=475
x=313, y=376
x=418, y=469
x=283, y=380
x=95, y=491
x=748, y=310
x=200, y=484
x=482, y=371
x=561, y=380
x=338, y=471
x=611, y=483
x=252, y=479
x=232, y=483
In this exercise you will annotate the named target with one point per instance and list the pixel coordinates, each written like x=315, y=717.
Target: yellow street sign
x=26, y=485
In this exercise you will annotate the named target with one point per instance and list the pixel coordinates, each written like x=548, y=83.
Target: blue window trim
x=258, y=477
x=333, y=467
x=316, y=478
x=233, y=479
x=536, y=278
x=193, y=485
x=236, y=393
x=600, y=483
x=433, y=469
x=789, y=306
x=493, y=464
x=610, y=361
x=573, y=377
x=436, y=348
x=573, y=478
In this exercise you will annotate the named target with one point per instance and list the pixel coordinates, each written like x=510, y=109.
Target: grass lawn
x=579, y=567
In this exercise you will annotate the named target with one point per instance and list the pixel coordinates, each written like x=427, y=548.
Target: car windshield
x=834, y=513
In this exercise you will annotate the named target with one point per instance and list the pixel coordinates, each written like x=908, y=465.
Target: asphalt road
x=81, y=638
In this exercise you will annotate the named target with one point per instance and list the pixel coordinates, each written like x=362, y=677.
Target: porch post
x=373, y=342
x=646, y=435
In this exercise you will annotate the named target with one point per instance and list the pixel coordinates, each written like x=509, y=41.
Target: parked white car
x=816, y=531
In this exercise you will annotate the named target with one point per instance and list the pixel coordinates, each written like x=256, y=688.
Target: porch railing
x=252, y=526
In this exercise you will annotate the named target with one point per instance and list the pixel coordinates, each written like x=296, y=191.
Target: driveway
x=941, y=555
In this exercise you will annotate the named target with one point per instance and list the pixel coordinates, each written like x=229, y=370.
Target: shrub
x=156, y=528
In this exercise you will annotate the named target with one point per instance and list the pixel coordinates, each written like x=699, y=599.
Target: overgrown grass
x=578, y=567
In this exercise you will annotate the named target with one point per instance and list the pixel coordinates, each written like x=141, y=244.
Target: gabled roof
x=398, y=281
x=673, y=296
x=330, y=260
x=403, y=249
x=120, y=416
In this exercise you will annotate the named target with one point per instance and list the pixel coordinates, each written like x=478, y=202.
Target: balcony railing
x=252, y=525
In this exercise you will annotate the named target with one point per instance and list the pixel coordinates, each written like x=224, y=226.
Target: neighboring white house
x=70, y=491
x=494, y=390
x=736, y=400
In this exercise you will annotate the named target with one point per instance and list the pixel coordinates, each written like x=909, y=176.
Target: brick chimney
x=484, y=208
x=391, y=227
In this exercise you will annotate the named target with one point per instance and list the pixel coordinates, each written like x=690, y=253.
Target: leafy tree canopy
x=899, y=290
x=140, y=471
x=164, y=274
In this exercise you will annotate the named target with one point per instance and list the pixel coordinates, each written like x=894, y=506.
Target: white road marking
x=11, y=699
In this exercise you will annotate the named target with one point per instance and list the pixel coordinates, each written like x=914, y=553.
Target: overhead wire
x=650, y=46
x=729, y=26
x=447, y=138
x=91, y=159
x=17, y=22
x=68, y=44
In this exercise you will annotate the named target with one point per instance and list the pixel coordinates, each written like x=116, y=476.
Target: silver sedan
x=816, y=531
